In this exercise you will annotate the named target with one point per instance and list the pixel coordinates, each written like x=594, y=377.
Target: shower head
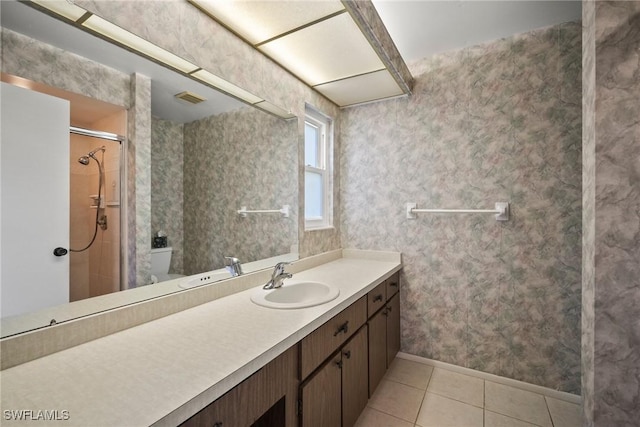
x=85, y=159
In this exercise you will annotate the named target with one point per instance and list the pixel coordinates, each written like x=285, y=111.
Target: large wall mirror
x=206, y=160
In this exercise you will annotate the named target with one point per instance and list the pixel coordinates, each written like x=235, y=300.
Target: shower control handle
x=60, y=251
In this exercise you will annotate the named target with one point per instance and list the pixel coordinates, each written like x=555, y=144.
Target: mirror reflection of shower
x=101, y=218
x=95, y=167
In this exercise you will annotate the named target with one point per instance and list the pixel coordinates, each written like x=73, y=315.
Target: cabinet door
x=393, y=327
x=377, y=349
x=321, y=397
x=355, y=372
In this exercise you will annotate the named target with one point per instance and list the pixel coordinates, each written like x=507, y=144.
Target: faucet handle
x=279, y=268
x=233, y=266
x=231, y=260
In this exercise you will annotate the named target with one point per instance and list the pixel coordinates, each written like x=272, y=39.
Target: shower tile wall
x=496, y=122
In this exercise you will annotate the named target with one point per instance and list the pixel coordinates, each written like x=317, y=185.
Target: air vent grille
x=190, y=97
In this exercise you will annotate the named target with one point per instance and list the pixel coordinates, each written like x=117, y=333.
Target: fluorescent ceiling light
x=257, y=21
x=274, y=109
x=225, y=86
x=359, y=89
x=63, y=8
x=329, y=50
x=113, y=32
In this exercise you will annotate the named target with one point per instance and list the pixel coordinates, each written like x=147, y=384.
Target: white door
x=34, y=172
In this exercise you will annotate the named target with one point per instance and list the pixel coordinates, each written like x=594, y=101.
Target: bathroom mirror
x=206, y=162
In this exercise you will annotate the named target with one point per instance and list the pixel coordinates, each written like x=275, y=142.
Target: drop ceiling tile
x=329, y=50
x=355, y=90
x=257, y=21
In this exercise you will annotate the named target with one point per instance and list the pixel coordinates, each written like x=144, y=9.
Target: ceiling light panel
x=122, y=36
x=257, y=21
x=329, y=50
x=359, y=89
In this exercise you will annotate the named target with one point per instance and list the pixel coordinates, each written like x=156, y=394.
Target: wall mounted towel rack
x=284, y=211
x=501, y=211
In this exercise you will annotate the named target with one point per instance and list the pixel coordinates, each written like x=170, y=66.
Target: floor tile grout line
x=454, y=399
x=424, y=395
x=514, y=418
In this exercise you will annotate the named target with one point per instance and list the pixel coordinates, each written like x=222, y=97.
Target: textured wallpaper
x=616, y=357
x=496, y=122
x=167, y=158
x=242, y=158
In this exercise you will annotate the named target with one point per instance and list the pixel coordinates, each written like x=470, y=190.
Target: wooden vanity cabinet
x=384, y=331
x=336, y=394
x=266, y=398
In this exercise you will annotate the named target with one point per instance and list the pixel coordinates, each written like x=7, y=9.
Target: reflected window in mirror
x=318, y=188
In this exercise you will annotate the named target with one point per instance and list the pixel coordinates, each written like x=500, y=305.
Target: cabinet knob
x=389, y=308
x=343, y=328
x=339, y=364
x=217, y=424
x=377, y=298
x=394, y=284
x=347, y=354
x=385, y=311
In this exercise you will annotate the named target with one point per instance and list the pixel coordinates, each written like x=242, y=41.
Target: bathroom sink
x=295, y=294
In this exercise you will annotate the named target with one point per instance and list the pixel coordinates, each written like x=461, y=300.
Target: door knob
x=60, y=251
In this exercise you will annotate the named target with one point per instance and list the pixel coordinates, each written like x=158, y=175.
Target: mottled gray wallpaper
x=616, y=356
x=167, y=159
x=496, y=122
x=241, y=158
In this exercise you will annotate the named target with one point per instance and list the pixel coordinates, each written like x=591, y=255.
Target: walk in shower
x=94, y=220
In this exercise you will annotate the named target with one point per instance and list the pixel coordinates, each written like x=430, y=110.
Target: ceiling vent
x=190, y=97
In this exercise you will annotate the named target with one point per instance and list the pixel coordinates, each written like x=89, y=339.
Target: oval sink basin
x=295, y=294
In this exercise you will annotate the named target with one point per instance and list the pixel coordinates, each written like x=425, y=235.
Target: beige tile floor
x=414, y=394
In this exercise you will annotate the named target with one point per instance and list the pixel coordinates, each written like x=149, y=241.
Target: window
x=318, y=191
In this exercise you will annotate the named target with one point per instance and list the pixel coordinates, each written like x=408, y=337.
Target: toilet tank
x=160, y=260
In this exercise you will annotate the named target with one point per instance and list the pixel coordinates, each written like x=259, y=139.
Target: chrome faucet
x=278, y=276
x=233, y=266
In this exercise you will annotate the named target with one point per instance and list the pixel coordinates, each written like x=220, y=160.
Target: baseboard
x=556, y=394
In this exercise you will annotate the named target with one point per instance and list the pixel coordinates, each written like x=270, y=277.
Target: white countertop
x=164, y=371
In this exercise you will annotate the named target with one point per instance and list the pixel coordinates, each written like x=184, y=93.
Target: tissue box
x=159, y=242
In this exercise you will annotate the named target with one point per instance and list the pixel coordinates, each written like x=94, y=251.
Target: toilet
x=160, y=262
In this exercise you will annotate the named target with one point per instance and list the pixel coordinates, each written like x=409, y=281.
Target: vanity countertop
x=164, y=371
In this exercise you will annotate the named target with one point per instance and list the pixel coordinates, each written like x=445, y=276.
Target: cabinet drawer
x=322, y=342
x=393, y=285
x=376, y=298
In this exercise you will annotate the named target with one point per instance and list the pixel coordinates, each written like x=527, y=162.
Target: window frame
x=325, y=168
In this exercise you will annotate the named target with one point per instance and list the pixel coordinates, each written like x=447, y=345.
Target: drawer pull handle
x=394, y=284
x=347, y=354
x=217, y=424
x=343, y=328
x=377, y=298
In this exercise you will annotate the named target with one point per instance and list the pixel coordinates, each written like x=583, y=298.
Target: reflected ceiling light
x=225, y=86
x=274, y=109
x=63, y=8
x=110, y=31
x=122, y=36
